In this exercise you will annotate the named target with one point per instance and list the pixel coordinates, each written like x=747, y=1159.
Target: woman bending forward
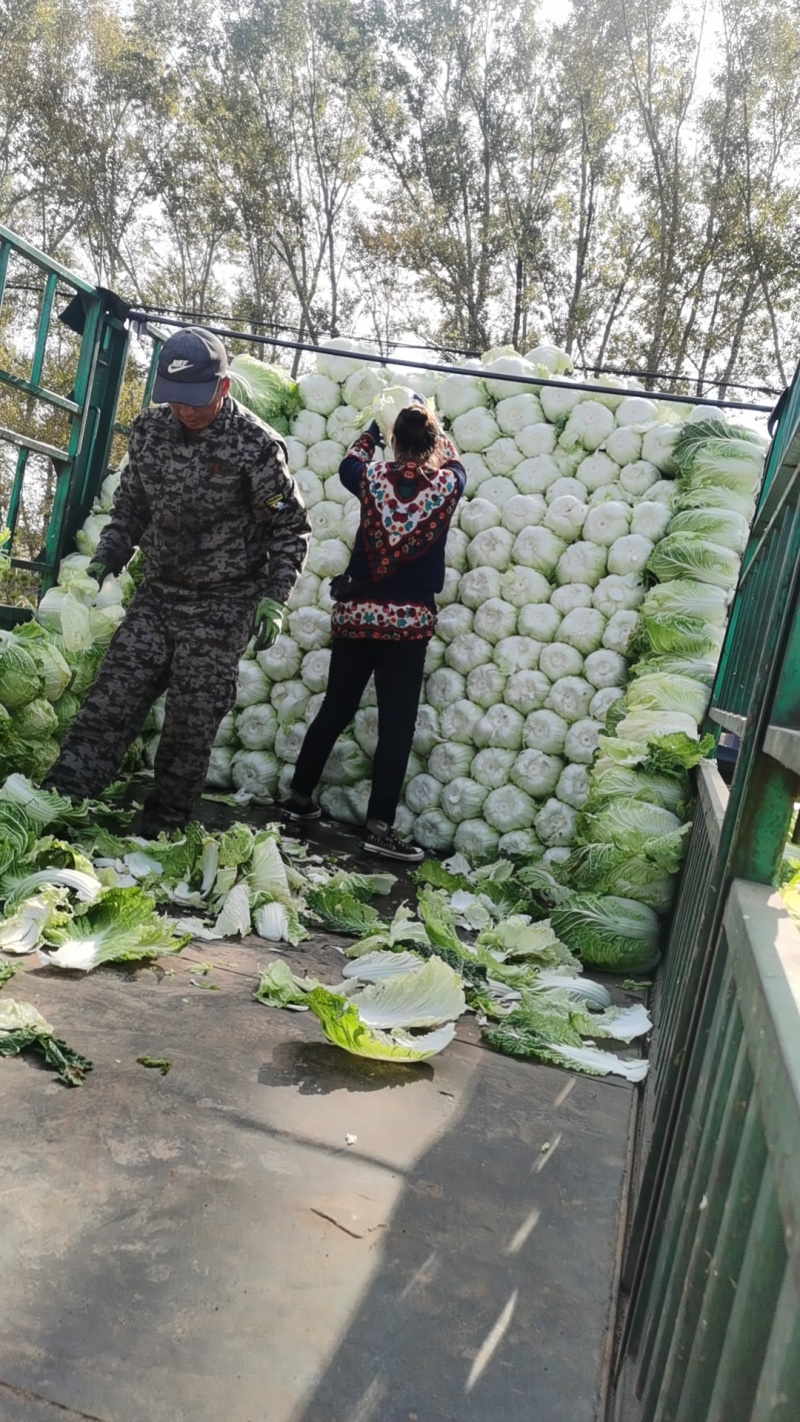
x=385, y=613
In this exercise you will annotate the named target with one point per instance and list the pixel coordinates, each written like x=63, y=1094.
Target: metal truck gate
x=80, y=464
x=713, y=1260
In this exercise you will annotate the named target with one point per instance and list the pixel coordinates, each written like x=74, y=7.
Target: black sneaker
x=381, y=839
x=294, y=812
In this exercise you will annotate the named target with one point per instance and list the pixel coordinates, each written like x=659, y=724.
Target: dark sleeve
x=355, y=462
x=288, y=528
x=130, y=514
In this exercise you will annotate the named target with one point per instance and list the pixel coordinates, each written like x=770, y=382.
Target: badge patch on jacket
x=220, y=469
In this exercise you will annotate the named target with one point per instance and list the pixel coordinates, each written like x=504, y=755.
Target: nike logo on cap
x=176, y=365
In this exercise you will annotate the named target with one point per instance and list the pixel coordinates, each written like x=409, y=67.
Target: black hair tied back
x=416, y=431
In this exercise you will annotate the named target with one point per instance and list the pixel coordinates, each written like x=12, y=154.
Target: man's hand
x=98, y=571
x=267, y=623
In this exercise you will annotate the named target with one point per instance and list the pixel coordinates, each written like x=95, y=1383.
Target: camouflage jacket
x=219, y=510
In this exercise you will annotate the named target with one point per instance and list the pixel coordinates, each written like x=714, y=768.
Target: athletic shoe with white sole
x=295, y=812
x=381, y=839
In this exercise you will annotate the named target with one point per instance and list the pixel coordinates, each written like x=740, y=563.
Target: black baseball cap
x=190, y=367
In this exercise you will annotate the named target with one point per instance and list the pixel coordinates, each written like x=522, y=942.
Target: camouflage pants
x=191, y=649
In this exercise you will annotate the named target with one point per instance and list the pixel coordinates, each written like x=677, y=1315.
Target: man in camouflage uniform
x=208, y=497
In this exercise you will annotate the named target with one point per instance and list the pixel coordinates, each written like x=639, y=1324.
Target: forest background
x=620, y=177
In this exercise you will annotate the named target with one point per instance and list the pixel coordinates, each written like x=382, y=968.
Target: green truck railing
x=712, y=1266
x=80, y=464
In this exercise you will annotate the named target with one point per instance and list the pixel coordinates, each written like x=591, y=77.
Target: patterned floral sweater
x=398, y=556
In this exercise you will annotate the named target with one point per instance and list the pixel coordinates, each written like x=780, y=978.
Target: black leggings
x=398, y=668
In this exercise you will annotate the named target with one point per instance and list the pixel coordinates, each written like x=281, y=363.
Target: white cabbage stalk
x=649, y=725
x=658, y=445
x=520, y=844
x=556, y=823
x=433, y=830
x=226, y=731
x=567, y=461
x=605, y=668
x=559, y=659
x=475, y=430
x=637, y=478
x=476, y=471
x=537, y=773
x=308, y=426
x=573, y=785
x=609, y=494
x=566, y=516
x=455, y=551
x=449, y=760
x=607, y=522
x=495, y=619
x=523, y=511
x=462, y=799
x=314, y=669
x=492, y=766
x=582, y=740
x=581, y=562
x=498, y=490
x=325, y=519
x=557, y=401
x=338, y=494
x=501, y=390
x=325, y=457
x=458, y=394
x=724, y=527
x=256, y=727
x=255, y=773
x=538, y=548
x=485, y=685
x=310, y=628
x=603, y=700
x=319, y=393
x=540, y=621
x=218, y=774
x=636, y=411
x=508, y=808
x=664, y=493
x=629, y=554
x=280, y=662
x=545, y=731
x=458, y=721
x=365, y=729
x=444, y=687
x=618, y=593
x=426, y=733
x=570, y=596
x=252, y=685
x=344, y=425
x=536, y=439
x=570, y=697
x=477, y=515
x=536, y=473
x=328, y=558
x=521, y=586
x=515, y=413
x=514, y=653
x=295, y=453
x=668, y=691
x=619, y=630
x=423, y=792
x=503, y=456
x=434, y=656
x=289, y=741
x=450, y=589
x=501, y=726
x=527, y=690
x=589, y=424
x=454, y=621
x=293, y=704
x=467, y=652
x=479, y=584
x=564, y=486
x=651, y=519
x=364, y=385
x=624, y=445
x=477, y=840
x=306, y=591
